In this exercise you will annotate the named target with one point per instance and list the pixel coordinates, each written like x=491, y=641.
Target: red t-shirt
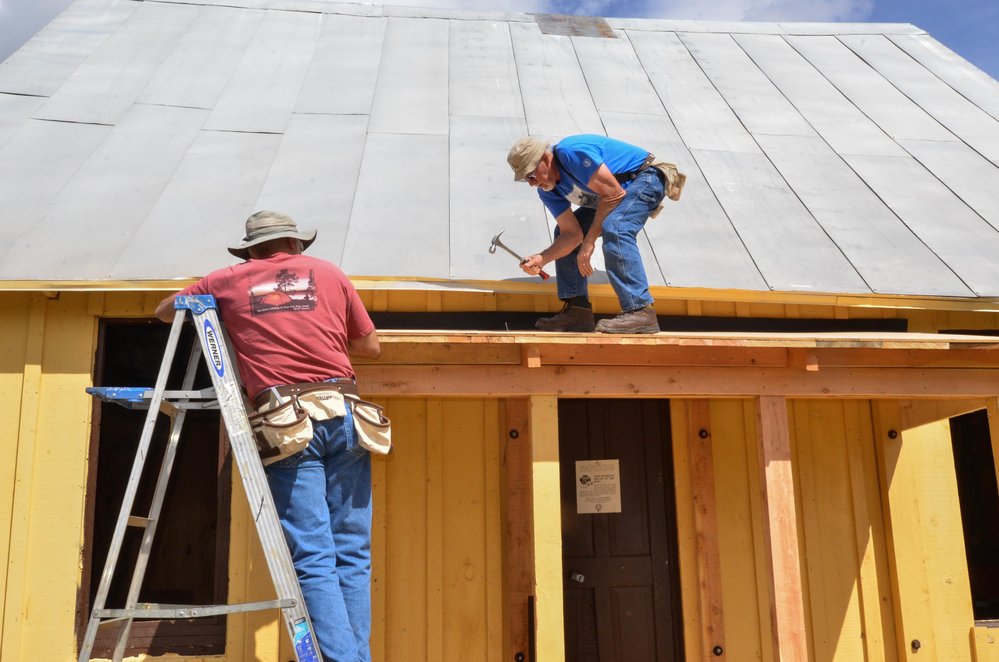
x=289, y=318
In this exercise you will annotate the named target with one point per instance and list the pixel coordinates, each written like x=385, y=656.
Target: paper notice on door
x=598, y=486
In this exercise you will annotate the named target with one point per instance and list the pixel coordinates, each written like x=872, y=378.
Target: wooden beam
x=702, y=482
x=920, y=412
x=644, y=381
x=780, y=524
x=518, y=504
x=993, y=409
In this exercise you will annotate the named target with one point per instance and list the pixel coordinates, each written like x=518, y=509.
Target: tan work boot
x=570, y=318
x=643, y=320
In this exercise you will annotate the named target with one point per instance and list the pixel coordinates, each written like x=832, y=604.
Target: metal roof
x=831, y=158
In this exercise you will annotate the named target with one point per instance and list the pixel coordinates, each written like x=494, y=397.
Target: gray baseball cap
x=267, y=225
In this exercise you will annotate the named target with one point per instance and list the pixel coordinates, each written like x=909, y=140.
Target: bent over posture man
x=292, y=320
x=615, y=187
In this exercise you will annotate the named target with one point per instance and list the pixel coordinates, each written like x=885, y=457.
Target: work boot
x=643, y=320
x=570, y=318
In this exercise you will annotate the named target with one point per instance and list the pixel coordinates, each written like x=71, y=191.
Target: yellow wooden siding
x=932, y=602
x=47, y=488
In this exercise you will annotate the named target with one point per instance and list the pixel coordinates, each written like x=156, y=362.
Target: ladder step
x=155, y=610
x=139, y=522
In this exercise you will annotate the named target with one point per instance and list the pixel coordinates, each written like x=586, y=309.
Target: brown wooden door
x=620, y=581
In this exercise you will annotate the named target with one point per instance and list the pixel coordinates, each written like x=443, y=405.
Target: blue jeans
x=620, y=238
x=323, y=498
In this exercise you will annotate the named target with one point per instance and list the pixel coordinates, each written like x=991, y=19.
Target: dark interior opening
x=524, y=321
x=188, y=562
x=979, y=496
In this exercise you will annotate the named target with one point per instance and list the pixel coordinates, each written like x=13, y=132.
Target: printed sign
x=598, y=486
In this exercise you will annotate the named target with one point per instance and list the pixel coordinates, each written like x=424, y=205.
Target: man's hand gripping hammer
x=496, y=243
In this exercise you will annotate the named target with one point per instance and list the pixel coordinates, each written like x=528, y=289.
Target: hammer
x=497, y=243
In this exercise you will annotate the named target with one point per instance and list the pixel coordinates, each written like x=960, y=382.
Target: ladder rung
x=155, y=610
x=139, y=522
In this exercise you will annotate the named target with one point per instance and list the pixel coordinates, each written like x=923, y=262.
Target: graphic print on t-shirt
x=581, y=198
x=286, y=293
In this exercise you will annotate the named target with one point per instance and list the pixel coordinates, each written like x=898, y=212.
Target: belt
x=623, y=177
x=343, y=384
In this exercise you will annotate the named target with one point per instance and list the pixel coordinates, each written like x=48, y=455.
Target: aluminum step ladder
x=226, y=396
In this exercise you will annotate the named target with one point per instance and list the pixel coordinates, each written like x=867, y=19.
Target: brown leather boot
x=570, y=318
x=643, y=320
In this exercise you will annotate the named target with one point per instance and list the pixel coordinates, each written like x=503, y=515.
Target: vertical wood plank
x=14, y=568
x=543, y=416
x=435, y=531
x=685, y=534
x=878, y=627
x=780, y=528
x=706, y=527
x=493, y=531
x=518, y=538
x=379, y=555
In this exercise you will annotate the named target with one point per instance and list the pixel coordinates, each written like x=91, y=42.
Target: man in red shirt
x=293, y=321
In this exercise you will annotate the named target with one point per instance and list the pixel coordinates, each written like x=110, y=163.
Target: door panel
x=621, y=601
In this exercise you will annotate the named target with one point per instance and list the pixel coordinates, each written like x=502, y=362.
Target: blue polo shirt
x=577, y=158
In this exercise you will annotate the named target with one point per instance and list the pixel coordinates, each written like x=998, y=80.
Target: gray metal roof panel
x=482, y=77
x=790, y=248
x=314, y=175
x=192, y=222
x=964, y=171
x=970, y=81
x=14, y=110
x=879, y=246
x=263, y=89
x=615, y=76
x=966, y=120
x=759, y=106
x=484, y=200
x=872, y=93
x=951, y=229
x=94, y=217
x=556, y=99
x=195, y=74
x=43, y=64
x=386, y=128
x=830, y=113
x=38, y=161
x=109, y=81
x=400, y=220
x=331, y=87
x=703, y=119
x=694, y=241
x=411, y=95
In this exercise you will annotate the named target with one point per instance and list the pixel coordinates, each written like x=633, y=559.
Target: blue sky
x=968, y=27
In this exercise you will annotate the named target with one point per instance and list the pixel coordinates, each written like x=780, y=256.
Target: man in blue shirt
x=615, y=188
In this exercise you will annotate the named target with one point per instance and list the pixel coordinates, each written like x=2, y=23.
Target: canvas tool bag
x=373, y=427
x=283, y=422
x=281, y=430
x=674, y=182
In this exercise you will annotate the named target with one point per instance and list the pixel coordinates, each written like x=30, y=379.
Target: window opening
x=188, y=563
x=978, y=493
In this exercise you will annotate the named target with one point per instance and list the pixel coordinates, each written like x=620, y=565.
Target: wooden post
x=543, y=415
x=780, y=526
x=702, y=483
x=518, y=507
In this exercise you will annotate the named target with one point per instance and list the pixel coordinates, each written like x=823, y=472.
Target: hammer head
x=492, y=245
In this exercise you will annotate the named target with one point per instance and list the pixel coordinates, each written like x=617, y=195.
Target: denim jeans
x=620, y=239
x=323, y=498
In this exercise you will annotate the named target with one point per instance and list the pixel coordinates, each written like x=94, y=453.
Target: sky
x=968, y=27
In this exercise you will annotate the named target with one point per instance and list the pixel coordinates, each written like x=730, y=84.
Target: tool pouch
x=674, y=183
x=373, y=427
x=281, y=431
x=322, y=403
